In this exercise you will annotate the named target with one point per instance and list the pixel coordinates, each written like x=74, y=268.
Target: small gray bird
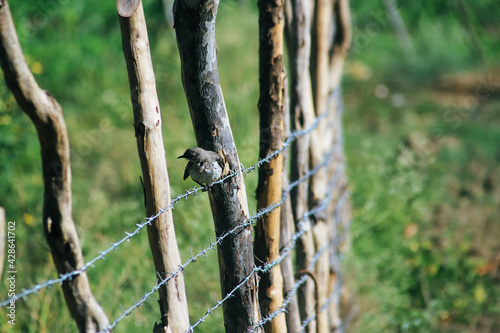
x=204, y=166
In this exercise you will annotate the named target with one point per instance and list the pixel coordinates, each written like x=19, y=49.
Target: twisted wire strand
x=336, y=292
x=285, y=251
x=193, y=191
x=212, y=246
x=292, y=291
x=334, y=242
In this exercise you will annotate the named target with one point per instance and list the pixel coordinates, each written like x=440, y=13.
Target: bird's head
x=192, y=153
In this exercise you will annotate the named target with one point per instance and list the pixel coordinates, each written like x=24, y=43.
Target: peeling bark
x=271, y=79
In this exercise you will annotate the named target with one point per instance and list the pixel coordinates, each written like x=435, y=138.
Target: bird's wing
x=186, y=171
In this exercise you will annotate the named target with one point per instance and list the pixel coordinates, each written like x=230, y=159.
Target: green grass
x=89, y=79
x=422, y=166
x=432, y=167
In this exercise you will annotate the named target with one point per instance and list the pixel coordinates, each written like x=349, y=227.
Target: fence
x=331, y=160
x=333, y=297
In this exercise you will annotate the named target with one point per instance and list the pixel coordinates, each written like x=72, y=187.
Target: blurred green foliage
x=422, y=146
x=422, y=163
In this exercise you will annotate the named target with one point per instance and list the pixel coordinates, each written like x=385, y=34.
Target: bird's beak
x=182, y=156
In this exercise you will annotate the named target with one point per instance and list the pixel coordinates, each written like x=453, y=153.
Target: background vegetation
x=421, y=136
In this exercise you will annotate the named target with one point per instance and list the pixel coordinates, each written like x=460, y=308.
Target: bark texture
x=147, y=124
x=339, y=210
x=271, y=79
x=299, y=19
x=341, y=41
x=321, y=141
x=287, y=230
x=195, y=30
x=60, y=229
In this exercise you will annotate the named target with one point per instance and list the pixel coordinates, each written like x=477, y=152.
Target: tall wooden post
x=298, y=33
x=194, y=22
x=339, y=215
x=271, y=79
x=147, y=124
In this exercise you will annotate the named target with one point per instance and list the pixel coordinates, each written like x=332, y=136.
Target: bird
x=204, y=166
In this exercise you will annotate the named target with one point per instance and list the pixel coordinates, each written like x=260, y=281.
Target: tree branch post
x=321, y=143
x=339, y=215
x=271, y=78
x=298, y=32
x=147, y=124
x=60, y=229
x=194, y=22
x=287, y=230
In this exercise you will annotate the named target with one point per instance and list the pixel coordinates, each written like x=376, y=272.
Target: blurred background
x=421, y=123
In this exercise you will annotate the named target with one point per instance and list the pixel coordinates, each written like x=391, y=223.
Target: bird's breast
x=205, y=173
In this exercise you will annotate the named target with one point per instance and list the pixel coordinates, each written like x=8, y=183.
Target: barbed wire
x=212, y=245
x=302, y=228
x=331, y=297
x=292, y=291
x=101, y=256
x=336, y=257
x=193, y=191
x=334, y=242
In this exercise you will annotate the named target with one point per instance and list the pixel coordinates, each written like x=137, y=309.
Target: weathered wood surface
x=299, y=20
x=287, y=231
x=194, y=23
x=148, y=132
x=59, y=227
x=269, y=189
x=339, y=213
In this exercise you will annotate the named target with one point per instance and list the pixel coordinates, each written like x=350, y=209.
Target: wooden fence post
x=338, y=215
x=287, y=231
x=320, y=144
x=147, y=124
x=299, y=21
x=60, y=229
x=271, y=79
x=194, y=22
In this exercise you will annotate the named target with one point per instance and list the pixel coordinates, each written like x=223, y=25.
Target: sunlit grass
x=447, y=189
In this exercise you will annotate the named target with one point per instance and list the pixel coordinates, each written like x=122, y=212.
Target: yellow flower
x=28, y=218
x=36, y=67
x=480, y=294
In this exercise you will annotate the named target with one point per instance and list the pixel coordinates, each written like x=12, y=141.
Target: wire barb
x=265, y=267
